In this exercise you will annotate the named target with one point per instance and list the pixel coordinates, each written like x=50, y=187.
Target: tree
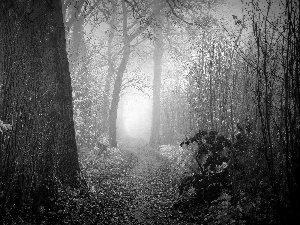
x=36, y=99
x=278, y=96
x=110, y=69
x=130, y=31
x=118, y=81
x=87, y=124
x=157, y=58
x=147, y=15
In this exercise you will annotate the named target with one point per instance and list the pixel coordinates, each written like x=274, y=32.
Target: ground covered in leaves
x=132, y=184
x=137, y=184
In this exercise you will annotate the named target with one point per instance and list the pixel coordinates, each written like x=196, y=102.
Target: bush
x=242, y=194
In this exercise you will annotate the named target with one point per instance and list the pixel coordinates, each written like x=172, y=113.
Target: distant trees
x=36, y=99
x=200, y=100
x=128, y=37
x=85, y=90
x=166, y=25
x=157, y=72
x=136, y=19
x=128, y=25
x=123, y=36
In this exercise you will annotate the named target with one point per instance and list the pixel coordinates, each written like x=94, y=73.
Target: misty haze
x=149, y=112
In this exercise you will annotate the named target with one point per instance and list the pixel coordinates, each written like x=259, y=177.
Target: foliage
x=102, y=197
x=248, y=91
x=106, y=176
x=245, y=196
x=36, y=99
x=4, y=126
x=213, y=177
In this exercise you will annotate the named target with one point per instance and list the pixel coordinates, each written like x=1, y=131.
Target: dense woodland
x=219, y=144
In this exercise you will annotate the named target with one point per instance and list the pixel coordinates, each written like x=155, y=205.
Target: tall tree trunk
x=211, y=91
x=211, y=112
x=113, y=113
x=36, y=99
x=157, y=58
x=81, y=82
x=75, y=48
x=110, y=71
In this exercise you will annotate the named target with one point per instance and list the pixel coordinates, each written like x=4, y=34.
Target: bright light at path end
x=136, y=116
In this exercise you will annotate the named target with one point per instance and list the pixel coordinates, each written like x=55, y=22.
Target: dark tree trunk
x=36, y=99
x=113, y=113
x=157, y=58
x=110, y=73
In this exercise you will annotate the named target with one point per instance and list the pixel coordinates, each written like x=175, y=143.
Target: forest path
x=151, y=184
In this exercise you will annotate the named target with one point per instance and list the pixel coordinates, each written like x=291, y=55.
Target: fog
x=135, y=116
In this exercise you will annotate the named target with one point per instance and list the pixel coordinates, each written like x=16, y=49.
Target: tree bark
x=157, y=58
x=110, y=70
x=36, y=99
x=81, y=82
x=75, y=48
x=113, y=113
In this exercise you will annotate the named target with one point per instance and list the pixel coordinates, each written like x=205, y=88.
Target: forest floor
x=152, y=185
x=134, y=184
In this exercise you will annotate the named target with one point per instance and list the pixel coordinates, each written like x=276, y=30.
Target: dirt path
x=150, y=187
x=151, y=184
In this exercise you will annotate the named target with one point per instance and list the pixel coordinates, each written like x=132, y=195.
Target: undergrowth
x=110, y=195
